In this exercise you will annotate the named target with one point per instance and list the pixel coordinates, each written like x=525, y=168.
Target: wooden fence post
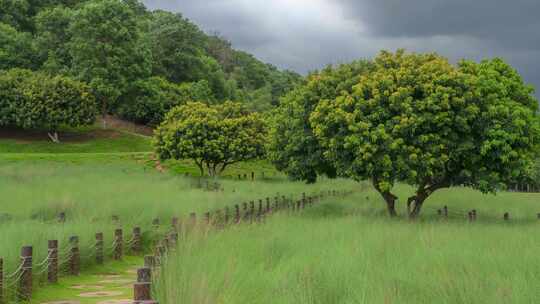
x=52, y=269
x=62, y=217
x=75, y=256
x=506, y=216
x=268, y=207
x=155, y=223
x=226, y=216
x=245, y=211
x=175, y=223
x=252, y=175
x=25, y=283
x=99, y=248
x=143, y=287
x=118, y=244
x=149, y=261
x=236, y=214
x=207, y=218
x=136, y=246
x=445, y=211
x=1, y=281
x=251, y=211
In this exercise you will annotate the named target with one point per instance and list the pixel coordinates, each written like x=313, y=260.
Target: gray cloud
x=307, y=34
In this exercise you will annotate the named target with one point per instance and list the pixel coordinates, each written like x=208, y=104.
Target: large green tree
x=420, y=120
x=52, y=38
x=178, y=47
x=293, y=148
x=214, y=137
x=107, y=49
x=16, y=49
x=34, y=100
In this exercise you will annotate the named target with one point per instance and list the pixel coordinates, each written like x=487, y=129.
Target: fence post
x=175, y=223
x=118, y=244
x=207, y=218
x=268, y=207
x=251, y=211
x=252, y=175
x=236, y=214
x=25, y=283
x=52, y=269
x=445, y=211
x=75, y=257
x=136, y=246
x=245, y=210
x=155, y=223
x=1, y=281
x=506, y=216
x=149, y=261
x=226, y=216
x=99, y=248
x=143, y=287
x=62, y=217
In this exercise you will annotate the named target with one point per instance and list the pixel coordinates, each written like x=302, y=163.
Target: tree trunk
x=104, y=112
x=390, y=200
x=54, y=137
x=416, y=210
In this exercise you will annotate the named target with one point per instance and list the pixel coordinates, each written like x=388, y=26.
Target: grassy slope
x=82, y=140
x=91, y=190
x=349, y=252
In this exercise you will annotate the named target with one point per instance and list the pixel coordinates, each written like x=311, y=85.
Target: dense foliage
x=120, y=48
x=35, y=100
x=214, y=137
x=293, y=148
x=420, y=120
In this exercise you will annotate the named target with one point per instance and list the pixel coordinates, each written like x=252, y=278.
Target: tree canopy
x=293, y=147
x=37, y=101
x=214, y=137
x=117, y=45
x=420, y=120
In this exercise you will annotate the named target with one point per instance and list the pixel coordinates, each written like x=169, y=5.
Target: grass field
x=341, y=251
x=91, y=190
x=81, y=140
x=348, y=251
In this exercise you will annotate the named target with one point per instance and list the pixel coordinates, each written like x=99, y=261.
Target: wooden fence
x=18, y=285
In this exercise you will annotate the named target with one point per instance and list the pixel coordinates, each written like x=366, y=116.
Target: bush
x=214, y=137
x=33, y=100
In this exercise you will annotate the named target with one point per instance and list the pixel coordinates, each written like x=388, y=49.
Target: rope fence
x=66, y=260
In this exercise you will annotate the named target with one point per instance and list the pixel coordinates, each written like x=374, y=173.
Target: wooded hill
x=138, y=63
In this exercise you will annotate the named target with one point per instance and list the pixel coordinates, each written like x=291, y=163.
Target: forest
x=137, y=64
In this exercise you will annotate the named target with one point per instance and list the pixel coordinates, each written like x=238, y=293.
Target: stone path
x=110, y=284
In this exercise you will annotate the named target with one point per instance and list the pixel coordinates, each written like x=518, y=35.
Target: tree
x=52, y=38
x=33, y=100
x=177, y=47
x=214, y=137
x=16, y=49
x=107, y=49
x=420, y=120
x=293, y=148
x=148, y=100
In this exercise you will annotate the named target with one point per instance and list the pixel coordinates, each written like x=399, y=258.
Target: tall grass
x=348, y=251
x=34, y=192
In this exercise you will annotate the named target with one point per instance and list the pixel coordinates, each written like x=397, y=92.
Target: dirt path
x=109, y=284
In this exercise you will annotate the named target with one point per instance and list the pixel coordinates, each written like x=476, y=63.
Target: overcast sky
x=303, y=35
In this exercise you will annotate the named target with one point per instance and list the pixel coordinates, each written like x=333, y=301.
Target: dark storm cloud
x=307, y=34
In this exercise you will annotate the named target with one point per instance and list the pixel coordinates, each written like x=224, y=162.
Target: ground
x=343, y=250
